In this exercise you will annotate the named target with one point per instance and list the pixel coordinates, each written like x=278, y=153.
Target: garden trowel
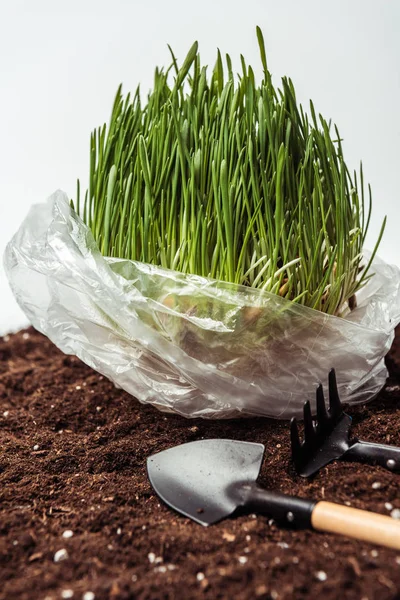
x=209, y=480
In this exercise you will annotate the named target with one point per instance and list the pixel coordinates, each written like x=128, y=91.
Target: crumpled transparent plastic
x=188, y=344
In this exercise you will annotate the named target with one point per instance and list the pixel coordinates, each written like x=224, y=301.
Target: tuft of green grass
x=218, y=176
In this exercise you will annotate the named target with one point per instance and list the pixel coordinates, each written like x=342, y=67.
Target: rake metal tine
x=309, y=431
x=335, y=406
x=322, y=414
x=294, y=437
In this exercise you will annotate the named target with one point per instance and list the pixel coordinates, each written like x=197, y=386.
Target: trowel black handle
x=290, y=510
x=321, y=516
x=376, y=454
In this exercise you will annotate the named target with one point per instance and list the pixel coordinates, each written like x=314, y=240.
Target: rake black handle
x=376, y=454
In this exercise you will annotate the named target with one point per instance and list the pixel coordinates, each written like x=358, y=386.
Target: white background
x=61, y=63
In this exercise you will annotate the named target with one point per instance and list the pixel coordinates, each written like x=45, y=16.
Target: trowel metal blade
x=197, y=479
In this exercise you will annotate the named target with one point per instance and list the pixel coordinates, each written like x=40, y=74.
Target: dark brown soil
x=72, y=457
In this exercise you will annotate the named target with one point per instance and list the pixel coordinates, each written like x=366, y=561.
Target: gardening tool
x=208, y=480
x=329, y=439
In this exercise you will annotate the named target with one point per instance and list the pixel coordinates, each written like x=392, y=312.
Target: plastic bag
x=188, y=344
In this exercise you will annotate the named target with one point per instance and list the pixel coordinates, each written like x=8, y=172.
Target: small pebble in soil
x=67, y=534
x=277, y=560
x=15, y=543
x=67, y=594
x=374, y=553
x=60, y=555
x=134, y=578
x=6, y=413
x=161, y=569
x=295, y=560
x=88, y=596
x=248, y=538
x=229, y=537
x=36, y=447
x=347, y=503
x=119, y=531
x=388, y=506
x=274, y=595
x=243, y=560
x=321, y=575
x=395, y=514
x=376, y=485
x=152, y=557
x=6, y=338
x=397, y=560
x=98, y=408
x=261, y=590
x=390, y=388
x=25, y=336
x=200, y=576
x=283, y=545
